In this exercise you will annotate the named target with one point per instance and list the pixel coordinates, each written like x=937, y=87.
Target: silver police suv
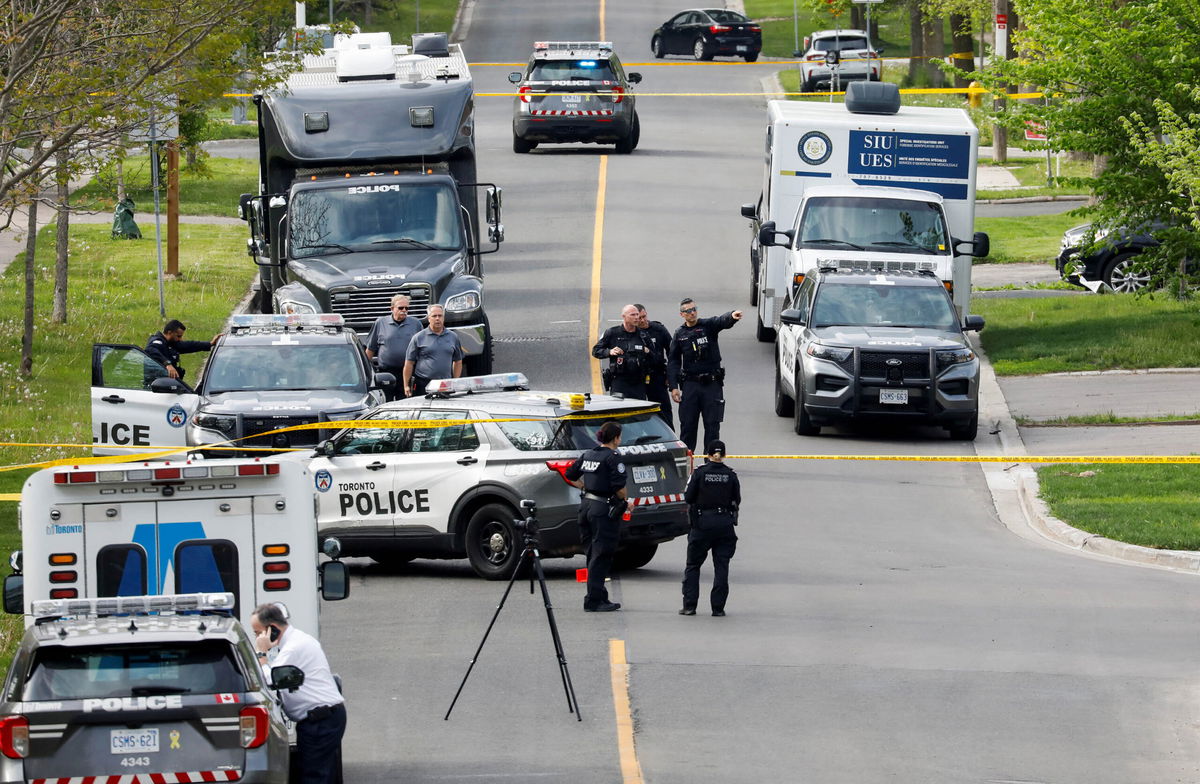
x=101, y=690
x=859, y=344
x=452, y=487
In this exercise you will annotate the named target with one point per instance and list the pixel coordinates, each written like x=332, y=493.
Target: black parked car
x=1113, y=261
x=703, y=33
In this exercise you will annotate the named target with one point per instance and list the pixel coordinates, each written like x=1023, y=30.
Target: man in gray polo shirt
x=389, y=340
x=434, y=352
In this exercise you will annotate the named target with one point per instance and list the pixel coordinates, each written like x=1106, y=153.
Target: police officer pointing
x=600, y=473
x=628, y=354
x=694, y=372
x=713, y=495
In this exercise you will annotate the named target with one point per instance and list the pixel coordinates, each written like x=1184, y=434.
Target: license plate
x=742, y=48
x=133, y=741
x=571, y=98
x=894, y=396
x=644, y=475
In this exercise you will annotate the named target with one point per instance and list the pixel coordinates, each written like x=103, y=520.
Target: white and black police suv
x=267, y=373
x=141, y=690
x=453, y=488
x=857, y=344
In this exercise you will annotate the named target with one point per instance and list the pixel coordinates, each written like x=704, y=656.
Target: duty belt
x=717, y=509
x=594, y=497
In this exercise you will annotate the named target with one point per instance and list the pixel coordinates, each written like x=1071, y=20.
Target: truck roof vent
x=431, y=44
x=872, y=98
x=369, y=63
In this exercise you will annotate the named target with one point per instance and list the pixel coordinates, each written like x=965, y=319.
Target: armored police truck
x=368, y=188
x=868, y=184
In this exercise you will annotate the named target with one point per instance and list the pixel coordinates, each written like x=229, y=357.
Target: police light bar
x=285, y=320
x=492, y=383
x=565, y=46
x=134, y=605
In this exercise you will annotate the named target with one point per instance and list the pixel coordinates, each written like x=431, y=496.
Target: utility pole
x=1000, y=51
x=173, y=209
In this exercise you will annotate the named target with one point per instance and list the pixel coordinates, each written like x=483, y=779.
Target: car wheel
x=700, y=50
x=634, y=557
x=965, y=431
x=626, y=145
x=1123, y=276
x=492, y=545
x=808, y=86
x=801, y=424
x=753, y=278
x=751, y=57
x=522, y=146
x=761, y=333
x=391, y=558
x=656, y=46
x=785, y=406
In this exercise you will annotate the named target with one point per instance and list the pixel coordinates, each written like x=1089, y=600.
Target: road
x=883, y=624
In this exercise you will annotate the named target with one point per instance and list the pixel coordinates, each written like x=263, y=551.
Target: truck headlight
x=955, y=356
x=468, y=300
x=218, y=422
x=832, y=353
x=292, y=306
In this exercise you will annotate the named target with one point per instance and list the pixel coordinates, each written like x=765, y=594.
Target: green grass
x=1025, y=239
x=1058, y=285
x=1148, y=505
x=214, y=194
x=1058, y=334
x=1103, y=420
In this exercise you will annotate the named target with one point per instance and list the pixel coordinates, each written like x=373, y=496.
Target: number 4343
x=131, y=762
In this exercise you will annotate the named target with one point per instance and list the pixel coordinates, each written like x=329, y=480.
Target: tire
x=761, y=333
x=391, y=558
x=965, y=431
x=808, y=86
x=801, y=424
x=634, y=557
x=492, y=544
x=637, y=130
x=521, y=146
x=700, y=49
x=751, y=57
x=784, y=406
x=1120, y=274
x=657, y=48
x=753, y=279
x=626, y=145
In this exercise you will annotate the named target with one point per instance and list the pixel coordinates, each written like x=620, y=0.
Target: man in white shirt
x=317, y=707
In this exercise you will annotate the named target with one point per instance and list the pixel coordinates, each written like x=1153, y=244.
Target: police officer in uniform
x=600, y=473
x=713, y=495
x=166, y=346
x=625, y=347
x=694, y=372
x=658, y=338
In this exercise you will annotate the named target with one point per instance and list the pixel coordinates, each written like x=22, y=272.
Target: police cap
x=716, y=447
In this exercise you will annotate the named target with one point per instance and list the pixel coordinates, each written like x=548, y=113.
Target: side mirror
x=335, y=580
x=286, y=676
x=494, y=202
x=879, y=50
x=634, y=78
x=326, y=448
x=14, y=594
x=244, y=206
x=168, y=386
x=792, y=316
x=767, y=235
x=978, y=246
x=277, y=201
x=514, y=77
x=383, y=381
x=748, y=211
x=973, y=324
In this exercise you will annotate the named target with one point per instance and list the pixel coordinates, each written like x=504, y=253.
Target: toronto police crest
x=324, y=480
x=176, y=416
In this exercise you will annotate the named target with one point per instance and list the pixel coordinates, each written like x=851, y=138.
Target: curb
x=1031, y=199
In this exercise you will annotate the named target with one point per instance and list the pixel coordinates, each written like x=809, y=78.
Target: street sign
x=1034, y=131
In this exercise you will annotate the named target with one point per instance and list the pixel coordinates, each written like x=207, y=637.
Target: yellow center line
x=631, y=769
x=594, y=302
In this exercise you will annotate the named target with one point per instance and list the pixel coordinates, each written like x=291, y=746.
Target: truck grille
x=252, y=426
x=360, y=307
x=913, y=364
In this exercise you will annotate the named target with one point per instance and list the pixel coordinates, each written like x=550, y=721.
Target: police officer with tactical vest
x=694, y=372
x=628, y=354
x=600, y=473
x=713, y=495
x=658, y=338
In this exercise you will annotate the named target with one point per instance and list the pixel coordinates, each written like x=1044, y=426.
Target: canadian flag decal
x=225, y=699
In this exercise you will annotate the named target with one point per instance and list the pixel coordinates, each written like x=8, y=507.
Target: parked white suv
x=848, y=51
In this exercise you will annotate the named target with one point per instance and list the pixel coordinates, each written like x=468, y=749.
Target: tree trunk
x=58, y=312
x=30, y=251
x=964, y=44
x=999, y=132
x=933, y=34
x=917, y=56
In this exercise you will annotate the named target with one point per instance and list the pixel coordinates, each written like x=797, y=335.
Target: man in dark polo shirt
x=434, y=352
x=389, y=339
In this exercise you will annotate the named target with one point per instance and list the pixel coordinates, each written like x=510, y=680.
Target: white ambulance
x=866, y=184
x=245, y=526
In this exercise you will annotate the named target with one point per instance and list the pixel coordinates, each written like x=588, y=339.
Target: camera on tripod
x=528, y=526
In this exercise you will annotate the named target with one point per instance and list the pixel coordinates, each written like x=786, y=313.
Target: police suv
x=447, y=482
x=857, y=344
x=141, y=690
x=267, y=373
x=575, y=91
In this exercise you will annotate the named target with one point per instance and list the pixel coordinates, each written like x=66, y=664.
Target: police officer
x=713, y=495
x=389, y=339
x=628, y=355
x=600, y=473
x=165, y=347
x=694, y=372
x=658, y=338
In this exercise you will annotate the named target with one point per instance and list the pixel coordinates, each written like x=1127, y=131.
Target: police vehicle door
x=138, y=548
x=354, y=483
x=436, y=466
x=125, y=412
x=789, y=336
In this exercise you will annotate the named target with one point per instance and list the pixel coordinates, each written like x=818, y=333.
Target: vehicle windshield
x=858, y=223
x=923, y=307
x=840, y=44
x=349, y=220
x=87, y=672
x=597, y=70
x=243, y=368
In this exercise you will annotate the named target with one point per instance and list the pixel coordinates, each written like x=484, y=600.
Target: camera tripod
x=530, y=555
